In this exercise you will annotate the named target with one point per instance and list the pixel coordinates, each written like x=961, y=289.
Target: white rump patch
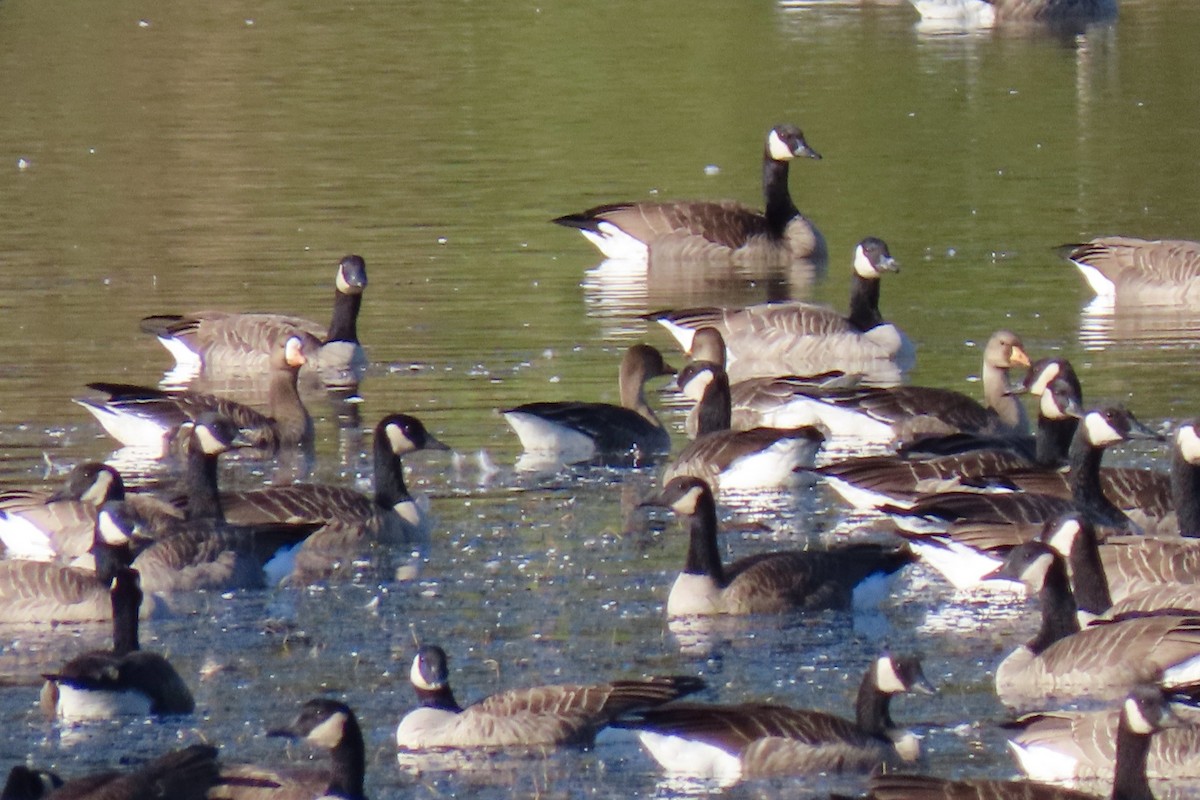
x=539, y=435
x=83, y=704
x=964, y=567
x=616, y=244
x=682, y=756
x=1042, y=763
x=773, y=467
x=1187, y=671
x=186, y=359
x=1099, y=283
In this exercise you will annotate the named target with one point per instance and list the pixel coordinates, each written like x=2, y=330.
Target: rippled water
x=162, y=158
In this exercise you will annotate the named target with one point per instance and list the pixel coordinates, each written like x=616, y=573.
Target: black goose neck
x=344, y=325
x=1185, y=493
x=1088, y=581
x=872, y=708
x=200, y=484
x=442, y=699
x=778, y=201
x=126, y=600
x=864, y=303
x=1086, y=489
x=1053, y=440
x=389, y=475
x=1129, y=777
x=348, y=768
x=703, y=555
x=716, y=406
x=1060, y=616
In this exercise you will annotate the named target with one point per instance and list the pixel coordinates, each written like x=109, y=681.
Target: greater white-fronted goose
x=768, y=582
x=726, y=743
x=713, y=232
x=351, y=524
x=755, y=459
x=1122, y=269
x=147, y=417
x=541, y=716
x=123, y=681
x=224, y=342
x=579, y=431
x=793, y=338
x=184, y=774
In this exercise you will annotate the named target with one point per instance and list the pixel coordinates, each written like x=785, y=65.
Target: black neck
x=347, y=771
x=1059, y=612
x=389, y=475
x=126, y=600
x=1053, y=440
x=344, y=325
x=200, y=483
x=779, y=206
x=1088, y=581
x=872, y=708
x=715, y=412
x=1185, y=492
x=1086, y=489
x=703, y=555
x=864, y=303
x=1129, y=778
x=110, y=559
x=442, y=698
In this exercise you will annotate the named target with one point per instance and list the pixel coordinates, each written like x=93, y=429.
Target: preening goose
x=579, y=431
x=754, y=459
x=1122, y=269
x=767, y=582
x=1143, y=713
x=757, y=740
x=146, y=417
x=713, y=232
x=322, y=722
x=806, y=339
x=352, y=524
x=225, y=342
x=541, y=716
x=123, y=681
x=184, y=774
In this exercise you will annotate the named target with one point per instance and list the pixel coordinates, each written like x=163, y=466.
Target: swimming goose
x=1143, y=713
x=579, y=431
x=146, y=417
x=322, y=722
x=759, y=458
x=986, y=13
x=351, y=523
x=768, y=582
x=184, y=774
x=1099, y=661
x=1128, y=270
x=231, y=342
x=805, y=339
x=123, y=681
x=757, y=740
x=541, y=716
x=713, y=232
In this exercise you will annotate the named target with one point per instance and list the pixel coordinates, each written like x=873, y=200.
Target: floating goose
x=986, y=13
x=185, y=774
x=1122, y=269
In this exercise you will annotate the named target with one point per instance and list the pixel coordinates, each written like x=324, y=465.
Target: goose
x=767, y=582
x=986, y=13
x=1144, y=712
x=123, y=681
x=541, y=716
x=793, y=338
x=756, y=740
x=713, y=232
x=230, y=342
x=1100, y=661
x=350, y=523
x=1128, y=270
x=323, y=722
x=184, y=774
x=580, y=431
x=759, y=458
x=146, y=417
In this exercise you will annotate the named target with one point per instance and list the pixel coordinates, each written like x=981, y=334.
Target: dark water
x=158, y=158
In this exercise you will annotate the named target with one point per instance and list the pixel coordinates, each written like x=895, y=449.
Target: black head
x=1062, y=533
x=211, y=434
x=1146, y=711
x=1045, y=371
x=322, y=721
x=695, y=378
x=1060, y=400
x=900, y=674
x=351, y=275
x=1027, y=563
x=872, y=259
x=684, y=495
x=430, y=669
x=786, y=142
x=406, y=434
x=92, y=482
x=1106, y=426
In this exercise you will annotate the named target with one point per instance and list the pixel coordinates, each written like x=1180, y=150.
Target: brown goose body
x=1126, y=270
x=184, y=774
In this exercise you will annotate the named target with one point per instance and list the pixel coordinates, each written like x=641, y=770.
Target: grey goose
x=325, y=723
x=766, y=583
x=123, y=681
x=1144, y=713
x=184, y=774
x=761, y=458
x=350, y=524
x=540, y=716
x=579, y=431
x=1123, y=269
x=794, y=338
x=727, y=743
x=713, y=232
x=225, y=342
x=147, y=417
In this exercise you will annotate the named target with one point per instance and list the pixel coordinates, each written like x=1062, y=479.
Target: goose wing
x=924, y=787
x=1125, y=260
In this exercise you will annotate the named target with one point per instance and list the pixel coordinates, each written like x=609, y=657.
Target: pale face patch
x=99, y=488
x=886, y=678
x=1188, y=443
x=343, y=285
x=695, y=388
x=1050, y=408
x=418, y=680
x=408, y=511
x=1063, y=537
x=863, y=265
x=293, y=352
x=686, y=505
x=1136, y=719
x=1044, y=379
x=778, y=148
x=111, y=532
x=209, y=443
x=1034, y=575
x=1099, y=432
x=399, y=440
x=329, y=733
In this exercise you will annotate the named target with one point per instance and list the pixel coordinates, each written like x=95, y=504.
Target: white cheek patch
x=99, y=489
x=1046, y=377
x=399, y=442
x=342, y=284
x=1188, y=443
x=1136, y=719
x=1049, y=406
x=779, y=149
x=686, y=505
x=110, y=531
x=329, y=733
x=1099, y=432
x=209, y=443
x=863, y=265
x=695, y=388
x=1063, y=538
x=886, y=678
x=1034, y=575
x=418, y=680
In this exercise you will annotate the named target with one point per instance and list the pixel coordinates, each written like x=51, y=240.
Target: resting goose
x=1122, y=269
x=1143, y=713
x=713, y=232
x=146, y=417
x=986, y=13
x=184, y=774
x=579, y=431
x=542, y=716
x=123, y=681
x=754, y=459
x=768, y=582
x=231, y=342
x=758, y=740
x=806, y=339
x=350, y=523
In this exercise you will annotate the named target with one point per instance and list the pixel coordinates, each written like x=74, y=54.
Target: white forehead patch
x=694, y=389
x=414, y=675
x=863, y=265
x=1188, y=443
x=110, y=531
x=99, y=488
x=1045, y=378
x=886, y=678
x=779, y=149
x=209, y=443
x=1034, y=575
x=1136, y=719
x=1063, y=537
x=688, y=502
x=329, y=733
x=1099, y=431
x=398, y=440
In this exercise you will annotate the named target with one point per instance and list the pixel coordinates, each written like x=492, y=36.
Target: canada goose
x=123, y=681
x=805, y=339
x=1100, y=661
x=350, y=523
x=1143, y=713
x=49, y=525
x=759, y=458
x=767, y=582
x=717, y=232
x=230, y=342
x=579, y=431
x=325, y=723
x=540, y=716
x=1122, y=269
x=756, y=740
x=986, y=13
x=184, y=774
x=142, y=416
